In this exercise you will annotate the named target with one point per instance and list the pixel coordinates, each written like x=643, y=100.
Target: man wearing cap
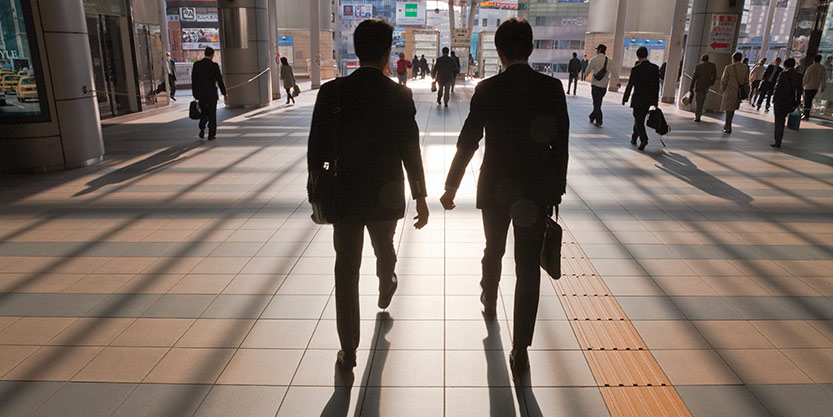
x=602, y=69
x=205, y=78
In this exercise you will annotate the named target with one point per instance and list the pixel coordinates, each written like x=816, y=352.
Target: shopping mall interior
x=146, y=270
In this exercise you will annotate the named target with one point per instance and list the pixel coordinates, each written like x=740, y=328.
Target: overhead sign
x=722, y=33
x=357, y=11
x=188, y=14
x=194, y=39
x=504, y=4
x=461, y=38
x=410, y=13
x=286, y=48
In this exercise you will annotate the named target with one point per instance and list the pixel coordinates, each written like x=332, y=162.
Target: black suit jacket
x=205, y=78
x=769, y=73
x=377, y=134
x=788, y=89
x=574, y=66
x=527, y=127
x=444, y=69
x=644, y=82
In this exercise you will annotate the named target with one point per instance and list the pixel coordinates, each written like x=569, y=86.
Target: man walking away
x=602, y=70
x=170, y=70
x=573, y=68
x=402, y=69
x=205, y=78
x=367, y=120
x=768, y=84
x=443, y=73
x=584, y=63
x=787, y=96
x=755, y=77
x=456, y=69
x=423, y=65
x=523, y=174
x=644, y=82
x=415, y=67
x=734, y=76
x=705, y=74
x=815, y=78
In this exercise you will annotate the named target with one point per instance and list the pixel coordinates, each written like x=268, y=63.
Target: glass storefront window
x=22, y=96
x=823, y=104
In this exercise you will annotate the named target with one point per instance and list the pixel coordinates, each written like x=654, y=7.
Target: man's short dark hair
x=705, y=58
x=372, y=39
x=514, y=39
x=209, y=51
x=789, y=63
x=817, y=58
x=642, y=52
x=575, y=55
x=445, y=50
x=737, y=56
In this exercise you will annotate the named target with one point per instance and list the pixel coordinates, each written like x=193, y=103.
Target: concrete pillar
x=472, y=11
x=701, y=43
x=69, y=133
x=244, y=36
x=275, y=70
x=619, y=42
x=675, y=51
x=314, y=44
x=770, y=14
x=451, y=22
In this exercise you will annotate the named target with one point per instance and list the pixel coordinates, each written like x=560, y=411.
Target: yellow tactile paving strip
x=631, y=380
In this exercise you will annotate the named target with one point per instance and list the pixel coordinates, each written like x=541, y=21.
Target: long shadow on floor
x=682, y=168
x=497, y=374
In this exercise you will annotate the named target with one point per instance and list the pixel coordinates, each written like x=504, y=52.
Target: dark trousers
x=529, y=238
x=765, y=91
x=573, y=80
x=598, y=94
x=209, y=116
x=172, y=82
x=699, y=102
x=348, y=239
x=639, y=115
x=289, y=95
x=809, y=95
x=780, y=123
x=730, y=115
x=443, y=88
x=753, y=91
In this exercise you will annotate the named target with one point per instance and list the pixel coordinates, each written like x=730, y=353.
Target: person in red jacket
x=402, y=69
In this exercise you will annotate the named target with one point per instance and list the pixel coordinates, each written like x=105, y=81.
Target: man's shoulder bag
x=322, y=181
x=600, y=74
x=743, y=89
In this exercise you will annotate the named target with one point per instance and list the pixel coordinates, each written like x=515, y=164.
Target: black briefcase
x=551, y=249
x=194, y=111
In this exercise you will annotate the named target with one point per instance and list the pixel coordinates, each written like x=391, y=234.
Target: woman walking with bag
x=786, y=98
x=288, y=79
x=735, y=85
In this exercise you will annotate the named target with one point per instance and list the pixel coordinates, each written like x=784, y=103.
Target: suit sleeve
x=629, y=88
x=560, y=144
x=468, y=141
x=409, y=148
x=219, y=77
x=321, y=130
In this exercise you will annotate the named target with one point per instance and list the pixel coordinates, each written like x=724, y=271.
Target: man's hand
x=447, y=200
x=225, y=97
x=422, y=214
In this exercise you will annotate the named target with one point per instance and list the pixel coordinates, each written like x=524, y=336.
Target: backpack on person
x=600, y=74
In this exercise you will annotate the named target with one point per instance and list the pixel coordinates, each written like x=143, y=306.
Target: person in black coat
x=443, y=73
x=573, y=68
x=786, y=97
x=523, y=174
x=768, y=83
x=376, y=135
x=205, y=78
x=644, y=82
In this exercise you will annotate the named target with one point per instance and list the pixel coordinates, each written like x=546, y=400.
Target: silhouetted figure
x=416, y=65
x=287, y=79
x=786, y=97
x=705, y=74
x=368, y=121
x=644, y=82
x=756, y=75
x=423, y=65
x=603, y=71
x=814, y=80
x=573, y=68
x=584, y=63
x=734, y=76
x=456, y=70
x=443, y=73
x=768, y=84
x=523, y=174
x=205, y=78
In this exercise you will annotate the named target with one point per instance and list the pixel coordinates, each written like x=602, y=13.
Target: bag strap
x=335, y=137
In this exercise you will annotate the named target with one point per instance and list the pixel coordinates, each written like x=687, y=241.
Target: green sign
x=411, y=9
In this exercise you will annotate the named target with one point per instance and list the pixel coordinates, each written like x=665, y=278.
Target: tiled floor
x=183, y=278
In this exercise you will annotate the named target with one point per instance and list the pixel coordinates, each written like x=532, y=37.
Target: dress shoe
x=775, y=145
x=591, y=120
x=212, y=137
x=489, y=304
x=346, y=359
x=386, y=290
x=697, y=120
x=202, y=133
x=633, y=139
x=173, y=98
x=446, y=104
x=519, y=360
x=642, y=145
x=597, y=124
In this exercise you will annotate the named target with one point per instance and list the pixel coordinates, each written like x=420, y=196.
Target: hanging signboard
x=461, y=38
x=194, y=39
x=286, y=48
x=188, y=14
x=410, y=13
x=357, y=11
x=722, y=33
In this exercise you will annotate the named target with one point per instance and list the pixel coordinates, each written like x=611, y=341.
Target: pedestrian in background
x=443, y=74
x=705, y=74
x=423, y=65
x=735, y=76
x=644, y=82
x=456, y=69
x=756, y=75
x=402, y=69
x=768, y=84
x=815, y=78
x=584, y=63
x=573, y=68
x=786, y=97
x=602, y=70
x=205, y=78
x=415, y=66
x=288, y=79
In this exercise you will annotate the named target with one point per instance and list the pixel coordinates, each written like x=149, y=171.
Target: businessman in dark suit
x=376, y=135
x=205, y=78
x=644, y=83
x=443, y=73
x=523, y=175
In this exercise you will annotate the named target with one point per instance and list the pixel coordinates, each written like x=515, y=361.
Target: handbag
x=296, y=91
x=602, y=72
x=794, y=119
x=433, y=86
x=743, y=89
x=322, y=181
x=551, y=249
x=194, y=111
x=687, y=99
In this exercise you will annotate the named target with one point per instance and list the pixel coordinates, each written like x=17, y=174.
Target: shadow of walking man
x=683, y=169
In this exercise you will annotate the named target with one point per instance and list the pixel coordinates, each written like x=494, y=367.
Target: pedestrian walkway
x=182, y=278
